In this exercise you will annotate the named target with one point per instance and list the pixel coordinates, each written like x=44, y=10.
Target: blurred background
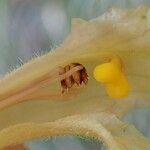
x=30, y=28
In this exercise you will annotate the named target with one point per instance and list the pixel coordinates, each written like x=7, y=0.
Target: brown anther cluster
x=77, y=77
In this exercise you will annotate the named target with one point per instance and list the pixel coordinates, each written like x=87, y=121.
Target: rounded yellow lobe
x=118, y=89
x=111, y=75
x=107, y=73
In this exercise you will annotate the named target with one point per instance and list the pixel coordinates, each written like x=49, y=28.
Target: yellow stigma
x=107, y=73
x=111, y=75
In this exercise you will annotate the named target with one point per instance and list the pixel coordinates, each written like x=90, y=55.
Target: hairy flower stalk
x=43, y=111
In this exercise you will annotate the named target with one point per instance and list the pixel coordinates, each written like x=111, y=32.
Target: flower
x=88, y=110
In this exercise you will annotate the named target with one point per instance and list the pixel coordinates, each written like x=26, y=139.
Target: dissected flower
x=31, y=98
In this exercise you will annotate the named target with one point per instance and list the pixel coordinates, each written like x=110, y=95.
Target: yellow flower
x=31, y=102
